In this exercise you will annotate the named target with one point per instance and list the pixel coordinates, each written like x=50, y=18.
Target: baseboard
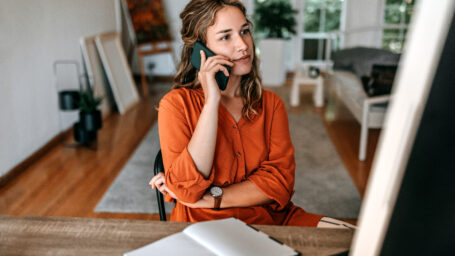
x=21, y=167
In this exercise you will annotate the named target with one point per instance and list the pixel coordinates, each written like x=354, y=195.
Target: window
x=397, y=15
x=319, y=18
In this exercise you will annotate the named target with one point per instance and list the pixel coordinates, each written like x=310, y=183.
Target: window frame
x=301, y=36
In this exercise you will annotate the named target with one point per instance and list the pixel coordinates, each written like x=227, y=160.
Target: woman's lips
x=244, y=59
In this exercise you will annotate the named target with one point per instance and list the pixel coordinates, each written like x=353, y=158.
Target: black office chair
x=159, y=167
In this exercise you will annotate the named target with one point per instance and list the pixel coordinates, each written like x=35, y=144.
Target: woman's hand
x=158, y=181
x=206, y=75
x=207, y=201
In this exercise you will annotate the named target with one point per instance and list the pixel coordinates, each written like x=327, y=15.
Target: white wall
x=363, y=23
x=34, y=34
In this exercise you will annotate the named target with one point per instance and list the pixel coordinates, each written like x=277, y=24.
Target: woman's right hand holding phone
x=206, y=75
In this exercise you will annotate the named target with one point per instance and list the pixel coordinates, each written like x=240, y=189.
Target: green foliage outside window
x=314, y=9
x=274, y=18
x=397, y=13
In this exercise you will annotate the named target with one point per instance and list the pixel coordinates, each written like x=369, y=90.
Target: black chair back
x=159, y=167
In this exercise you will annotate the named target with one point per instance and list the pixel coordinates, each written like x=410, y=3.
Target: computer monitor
x=409, y=206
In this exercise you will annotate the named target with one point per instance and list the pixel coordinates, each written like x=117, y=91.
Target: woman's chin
x=241, y=71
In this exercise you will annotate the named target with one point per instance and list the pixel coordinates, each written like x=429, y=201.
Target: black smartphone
x=220, y=77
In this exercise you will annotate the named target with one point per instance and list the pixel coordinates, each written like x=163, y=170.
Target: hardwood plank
x=16, y=171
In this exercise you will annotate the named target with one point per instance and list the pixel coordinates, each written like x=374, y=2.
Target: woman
x=226, y=153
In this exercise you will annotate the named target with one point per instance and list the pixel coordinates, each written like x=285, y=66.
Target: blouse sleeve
x=181, y=174
x=275, y=176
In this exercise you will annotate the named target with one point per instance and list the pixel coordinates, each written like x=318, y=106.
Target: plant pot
x=83, y=136
x=272, y=61
x=90, y=121
x=68, y=99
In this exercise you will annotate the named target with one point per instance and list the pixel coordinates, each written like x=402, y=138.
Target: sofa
x=349, y=66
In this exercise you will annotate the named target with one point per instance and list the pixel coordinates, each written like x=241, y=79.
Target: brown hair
x=197, y=16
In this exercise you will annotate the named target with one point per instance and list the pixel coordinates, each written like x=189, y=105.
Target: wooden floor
x=69, y=181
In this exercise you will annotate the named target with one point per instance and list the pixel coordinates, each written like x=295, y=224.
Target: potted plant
x=85, y=131
x=89, y=115
x=274, y=22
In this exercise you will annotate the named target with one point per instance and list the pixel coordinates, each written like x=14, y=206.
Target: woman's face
x=230, y=36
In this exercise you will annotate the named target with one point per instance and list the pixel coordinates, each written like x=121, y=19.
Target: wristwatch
x=217, y=194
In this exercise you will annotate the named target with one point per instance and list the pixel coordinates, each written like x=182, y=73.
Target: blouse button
x=238, y=154
x=235, y=126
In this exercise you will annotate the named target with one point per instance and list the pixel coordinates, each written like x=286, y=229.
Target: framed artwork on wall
x=148, y=30
x=149, y=20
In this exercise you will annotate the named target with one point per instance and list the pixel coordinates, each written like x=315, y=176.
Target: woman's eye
x=226, y=37
x=245, y=31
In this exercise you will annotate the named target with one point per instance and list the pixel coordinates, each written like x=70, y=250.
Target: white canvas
x=95, y=72
x=118, y=71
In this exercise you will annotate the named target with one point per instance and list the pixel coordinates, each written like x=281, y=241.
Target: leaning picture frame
x=95, y=74
x=117, y=70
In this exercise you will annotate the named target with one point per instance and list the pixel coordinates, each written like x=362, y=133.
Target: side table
x=302, y=78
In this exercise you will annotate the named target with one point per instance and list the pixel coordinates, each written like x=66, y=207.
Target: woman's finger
x=223, y=69
x=212, y=62
x=155, y=177
x=162, y=189
x=159, y=182
x=154, y=181
x=203, y=58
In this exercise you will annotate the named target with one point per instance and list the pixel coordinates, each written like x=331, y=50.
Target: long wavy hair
x=197, y=16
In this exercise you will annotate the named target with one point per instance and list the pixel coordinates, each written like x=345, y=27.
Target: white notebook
x=220, y=237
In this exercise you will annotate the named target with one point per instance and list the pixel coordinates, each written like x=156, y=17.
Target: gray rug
x=322, y=184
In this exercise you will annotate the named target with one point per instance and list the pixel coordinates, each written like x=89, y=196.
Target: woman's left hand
x=207, y=201
x=159, y=181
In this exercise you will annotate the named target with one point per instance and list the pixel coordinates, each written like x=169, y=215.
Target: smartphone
x=220, y=77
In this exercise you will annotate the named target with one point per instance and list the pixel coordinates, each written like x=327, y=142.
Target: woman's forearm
x=202, y=144
x=243, y=194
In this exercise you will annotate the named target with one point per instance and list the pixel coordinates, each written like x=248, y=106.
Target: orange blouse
x=259, y=150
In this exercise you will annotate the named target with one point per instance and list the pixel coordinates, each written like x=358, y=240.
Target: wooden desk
x=81, y=236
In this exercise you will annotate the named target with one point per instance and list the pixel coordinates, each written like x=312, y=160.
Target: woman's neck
x=233, y=87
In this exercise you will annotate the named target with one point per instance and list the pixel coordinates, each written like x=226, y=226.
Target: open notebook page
x=174, y=245
x=234, y=237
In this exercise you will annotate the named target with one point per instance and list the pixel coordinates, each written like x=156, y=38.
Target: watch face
x=216, y=191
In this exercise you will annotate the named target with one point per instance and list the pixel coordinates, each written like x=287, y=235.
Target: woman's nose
x=241, y=44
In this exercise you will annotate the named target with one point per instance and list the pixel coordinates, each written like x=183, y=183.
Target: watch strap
x=217, y=202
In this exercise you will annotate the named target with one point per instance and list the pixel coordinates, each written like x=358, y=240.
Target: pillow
x=380, y=81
